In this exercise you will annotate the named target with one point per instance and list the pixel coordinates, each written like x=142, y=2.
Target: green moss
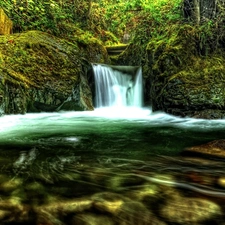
x=34, y=58
x=198, y=69
x=178, y=53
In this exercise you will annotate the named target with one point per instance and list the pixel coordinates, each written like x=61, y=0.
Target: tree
x=201, y=11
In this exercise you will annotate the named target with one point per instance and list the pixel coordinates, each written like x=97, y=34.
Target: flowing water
x=118, y=86
x=48, y=158
x=117, y=165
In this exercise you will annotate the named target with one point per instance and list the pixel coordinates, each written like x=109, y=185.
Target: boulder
x=185, y=78
x=39, y=72
x=191, y=211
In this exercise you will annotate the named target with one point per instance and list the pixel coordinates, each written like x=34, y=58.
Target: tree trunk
x=201, y=11
x=196, y=10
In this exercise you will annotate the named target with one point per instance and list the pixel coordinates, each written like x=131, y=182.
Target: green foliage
x=156, y=19
x=43, y=15
x=35, y=57
x=107, y=20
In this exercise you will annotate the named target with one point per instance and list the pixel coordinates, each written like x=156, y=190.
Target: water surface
x=48, y=158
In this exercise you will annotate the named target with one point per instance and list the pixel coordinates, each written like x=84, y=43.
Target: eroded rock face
x=196, y=98
x=39, y=72
x=183, y=79
x=5, y=23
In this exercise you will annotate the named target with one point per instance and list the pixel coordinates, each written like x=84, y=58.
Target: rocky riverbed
x=114, y=192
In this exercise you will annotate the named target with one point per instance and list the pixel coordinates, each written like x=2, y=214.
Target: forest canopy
x=97, y=16
x=110, y=20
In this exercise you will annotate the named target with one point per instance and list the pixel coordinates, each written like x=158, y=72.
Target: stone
x=107, y=202
x=149, y=191
x=13, y=210
x=91, y=219
x=187, y=211
x=136, y=213
x=214, y=149
x=11, y=185
x=42, y=73
x=59, y=207
x=6, y=24
x=124, y=181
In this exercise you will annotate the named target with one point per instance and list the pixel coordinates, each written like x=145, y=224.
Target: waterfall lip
x=124, y=69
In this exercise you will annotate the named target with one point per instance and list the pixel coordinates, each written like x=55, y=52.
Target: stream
x=108, y=166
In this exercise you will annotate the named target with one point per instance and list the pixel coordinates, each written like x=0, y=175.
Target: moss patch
x=34, y=58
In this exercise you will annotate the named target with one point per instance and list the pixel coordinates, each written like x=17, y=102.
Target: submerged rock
x=91, y=219
x=108, y=202
x=132, y=213
x=212, y=150
x=190, y=211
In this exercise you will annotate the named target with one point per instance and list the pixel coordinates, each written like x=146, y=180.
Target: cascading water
x=117, y=86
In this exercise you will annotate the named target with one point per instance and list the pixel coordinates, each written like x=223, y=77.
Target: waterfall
x=118, y=86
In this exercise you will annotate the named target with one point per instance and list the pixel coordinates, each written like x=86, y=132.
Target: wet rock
x=124, y=181
x=12, y=210
x=91, y=219
x=135, y=213
x=107, y=202
x=9, y=185
x=212, y=150
x=60, y=81
x=59, y=208
x=36, y=193
x=190, y=210
x=147, y=190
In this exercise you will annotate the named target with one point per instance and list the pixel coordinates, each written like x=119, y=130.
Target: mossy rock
x=39, y=72
x=183, y=81
x=35, y=58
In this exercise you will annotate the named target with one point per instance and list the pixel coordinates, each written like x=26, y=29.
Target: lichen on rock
x=40, y=72
x=185, y=80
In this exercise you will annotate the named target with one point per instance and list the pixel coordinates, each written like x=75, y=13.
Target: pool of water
x=102, y=167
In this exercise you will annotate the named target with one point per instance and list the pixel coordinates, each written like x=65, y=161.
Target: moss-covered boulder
x=39, y=72
x=186, y=74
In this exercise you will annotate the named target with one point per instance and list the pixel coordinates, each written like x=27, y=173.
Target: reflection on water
x=105, y=167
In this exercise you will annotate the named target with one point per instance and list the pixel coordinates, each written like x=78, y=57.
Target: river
x=50, y=162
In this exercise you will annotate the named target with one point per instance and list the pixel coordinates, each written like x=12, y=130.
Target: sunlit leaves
x=116, y=16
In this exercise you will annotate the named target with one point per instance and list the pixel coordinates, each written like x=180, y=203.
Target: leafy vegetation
x=106, y=19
